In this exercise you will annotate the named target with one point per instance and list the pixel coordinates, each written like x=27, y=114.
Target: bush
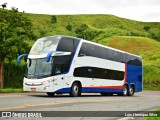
x=54, y=19
x=86, y=33
x=13, y=75
x=146, y=28
x=69, y=27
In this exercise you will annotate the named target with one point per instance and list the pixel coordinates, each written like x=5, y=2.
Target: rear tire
x=50, y=94
x=125, y=90
x=131, y=91
x=75, y=90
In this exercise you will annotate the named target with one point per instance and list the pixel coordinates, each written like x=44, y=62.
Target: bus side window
x=59, y=68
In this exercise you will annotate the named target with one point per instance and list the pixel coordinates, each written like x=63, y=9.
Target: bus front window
x=45, y=45
x=38, y=68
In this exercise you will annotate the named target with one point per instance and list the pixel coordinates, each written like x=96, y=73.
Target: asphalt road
x=143, y=101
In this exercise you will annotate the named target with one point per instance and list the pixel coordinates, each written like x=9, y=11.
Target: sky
x=140, y=10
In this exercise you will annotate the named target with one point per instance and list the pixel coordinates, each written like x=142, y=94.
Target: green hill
x=106, y=25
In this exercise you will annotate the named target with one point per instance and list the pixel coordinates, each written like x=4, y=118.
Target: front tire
x=75, y=90
x=50, y=94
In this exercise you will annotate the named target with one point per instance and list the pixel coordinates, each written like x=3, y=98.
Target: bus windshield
x=45, y=45
x=38, y=68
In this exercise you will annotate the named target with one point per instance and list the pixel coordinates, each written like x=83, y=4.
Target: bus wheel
x=75, y=90
x=125, y=90
x=51, y=94
x=131, y=91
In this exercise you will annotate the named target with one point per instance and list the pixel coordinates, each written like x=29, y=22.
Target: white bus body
x=63, y=64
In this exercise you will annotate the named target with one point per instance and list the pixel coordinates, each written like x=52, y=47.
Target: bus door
x=59, y=77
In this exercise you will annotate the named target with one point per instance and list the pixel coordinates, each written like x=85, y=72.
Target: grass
x=153, y=118
x=10, y=90
x=109, y=24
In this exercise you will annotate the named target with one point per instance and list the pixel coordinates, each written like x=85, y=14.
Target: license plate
x=33, y=89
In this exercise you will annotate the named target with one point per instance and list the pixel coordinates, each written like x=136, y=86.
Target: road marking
x=77, y=101
x=10, y=96
x=29, y=105
x=127, y=118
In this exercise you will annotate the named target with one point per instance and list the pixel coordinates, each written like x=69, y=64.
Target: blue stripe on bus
x=91, y=90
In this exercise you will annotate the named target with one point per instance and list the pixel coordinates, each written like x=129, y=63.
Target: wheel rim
x=75, y=89
x=131, y=90
x=125, y=90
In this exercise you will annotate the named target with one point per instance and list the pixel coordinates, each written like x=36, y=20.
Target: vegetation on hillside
x=97, y=26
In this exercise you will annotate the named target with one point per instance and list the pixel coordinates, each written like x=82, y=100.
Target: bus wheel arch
x=131, y=90
x=76, y=89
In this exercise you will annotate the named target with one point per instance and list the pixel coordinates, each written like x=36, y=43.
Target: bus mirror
x=19, y=58
x=49, y=56
x=56, y=53
x=59, y=53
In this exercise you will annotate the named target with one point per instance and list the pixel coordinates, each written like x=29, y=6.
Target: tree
x=69, y=27
x=14, y=28
x=54, y=19
x=146, y=28
x=4, y=5
x=83, y=31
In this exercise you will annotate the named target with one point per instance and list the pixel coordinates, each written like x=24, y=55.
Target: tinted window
x=83, y=72
x=115, y=75
x=99, y=73
x=93, y=72
x=61, y=64
x=88, y=49
x=68, y=44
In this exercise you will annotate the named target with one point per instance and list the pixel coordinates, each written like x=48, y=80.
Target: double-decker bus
x=63, y=64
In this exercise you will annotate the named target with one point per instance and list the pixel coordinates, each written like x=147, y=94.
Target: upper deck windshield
x=45, y=45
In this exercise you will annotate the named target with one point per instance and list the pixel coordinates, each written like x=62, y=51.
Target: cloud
x=142, y=10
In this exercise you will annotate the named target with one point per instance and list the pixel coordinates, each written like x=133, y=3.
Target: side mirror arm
x=19, y=58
